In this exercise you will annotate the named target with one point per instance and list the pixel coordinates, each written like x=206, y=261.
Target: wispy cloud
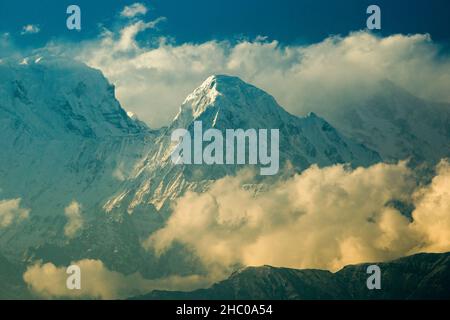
x=30, y=29
x=74, y=219
x=12, y=212
x=127, y=40
x=134, y=10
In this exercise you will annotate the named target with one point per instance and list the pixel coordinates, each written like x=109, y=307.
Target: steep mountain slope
x=422, y=276
x=65, y=138
x=77, y=101
x=224, y=102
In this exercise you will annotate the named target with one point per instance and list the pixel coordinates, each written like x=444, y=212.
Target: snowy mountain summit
x=227, y=96
x=54, y=97
x=226, y=102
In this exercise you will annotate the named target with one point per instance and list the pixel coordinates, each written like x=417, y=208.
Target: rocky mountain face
x=422, y=276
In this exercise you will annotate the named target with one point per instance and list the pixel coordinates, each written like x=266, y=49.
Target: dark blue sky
x=289, y=21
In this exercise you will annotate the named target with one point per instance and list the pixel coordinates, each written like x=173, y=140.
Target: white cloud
x=134, y=10
x=322, y=218
x=11, y=212
x=153, y=81
x=98, y=282
x=30, y=29
x=128, y=34
x=74, y=219
x=432, y=213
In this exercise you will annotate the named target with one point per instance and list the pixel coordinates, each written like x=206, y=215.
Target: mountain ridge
x=420, y=276
x=226, y=102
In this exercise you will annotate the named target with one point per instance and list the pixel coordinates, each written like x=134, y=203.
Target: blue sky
x=288, y=21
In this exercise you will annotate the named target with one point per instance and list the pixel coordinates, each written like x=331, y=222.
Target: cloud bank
x=432, y=213
x=98, y=282
x=153, y=80
x=322, y=218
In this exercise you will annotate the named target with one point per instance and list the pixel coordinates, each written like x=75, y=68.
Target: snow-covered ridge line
x=55, y=97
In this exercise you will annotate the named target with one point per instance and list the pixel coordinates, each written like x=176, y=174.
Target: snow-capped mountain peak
x=56, y=98
x=202, y=97
x=228, y=100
